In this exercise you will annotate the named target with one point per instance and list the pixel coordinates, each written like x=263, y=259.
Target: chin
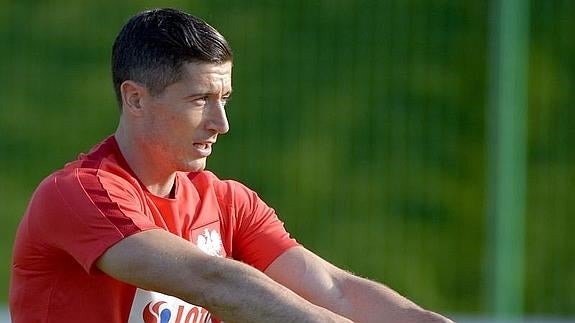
x=196, y=166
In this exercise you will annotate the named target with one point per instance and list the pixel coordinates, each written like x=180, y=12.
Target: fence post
x=507, y=165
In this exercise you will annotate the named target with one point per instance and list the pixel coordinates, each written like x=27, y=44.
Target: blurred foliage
x=361, y=122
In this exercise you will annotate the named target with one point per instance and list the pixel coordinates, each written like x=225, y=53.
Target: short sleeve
x=86, y=211
x=259, y=237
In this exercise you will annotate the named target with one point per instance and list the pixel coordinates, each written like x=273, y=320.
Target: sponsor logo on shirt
x=153, y=307
x=161, y=312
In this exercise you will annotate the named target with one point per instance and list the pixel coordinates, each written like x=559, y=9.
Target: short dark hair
x=153, y=46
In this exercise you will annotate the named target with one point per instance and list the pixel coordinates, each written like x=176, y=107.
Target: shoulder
x=82, y=190
x=80, y=184
x=90, y=179
x=102, y=168
x=89, y=193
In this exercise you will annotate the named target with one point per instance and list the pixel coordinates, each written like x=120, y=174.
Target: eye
x=225, y=99
x=199, y=101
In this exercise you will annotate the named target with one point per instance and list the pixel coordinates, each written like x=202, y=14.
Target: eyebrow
x=207, y=93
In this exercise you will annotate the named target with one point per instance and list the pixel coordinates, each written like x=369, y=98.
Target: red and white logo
x=153, y=307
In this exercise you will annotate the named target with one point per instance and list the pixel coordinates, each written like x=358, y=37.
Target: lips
x=203, y=148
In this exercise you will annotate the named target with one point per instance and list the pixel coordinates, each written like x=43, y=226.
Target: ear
x=132, y=95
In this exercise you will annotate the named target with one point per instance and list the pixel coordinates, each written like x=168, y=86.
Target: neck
x=158, y=180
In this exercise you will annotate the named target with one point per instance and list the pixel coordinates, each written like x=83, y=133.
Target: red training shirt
x=80, y=211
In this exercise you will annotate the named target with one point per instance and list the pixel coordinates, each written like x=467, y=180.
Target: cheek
x=175, y=127
x=167, y=124
x=158, y=130
x=190, y=122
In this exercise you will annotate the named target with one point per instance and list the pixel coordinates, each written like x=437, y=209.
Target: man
x=136, y=230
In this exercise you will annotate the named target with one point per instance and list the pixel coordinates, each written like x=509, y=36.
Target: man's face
x=183, y=122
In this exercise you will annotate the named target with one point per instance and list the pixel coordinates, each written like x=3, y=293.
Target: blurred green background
x=365, y=124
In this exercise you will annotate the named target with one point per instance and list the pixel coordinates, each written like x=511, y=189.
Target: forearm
x=239, y=293
x=366, y=301
x=235, y=292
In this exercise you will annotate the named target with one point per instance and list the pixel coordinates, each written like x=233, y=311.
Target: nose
x=216, y=118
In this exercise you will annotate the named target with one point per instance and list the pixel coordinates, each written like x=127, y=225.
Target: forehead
x=199, y=74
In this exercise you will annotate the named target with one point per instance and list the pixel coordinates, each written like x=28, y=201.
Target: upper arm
x=157, y=260
x=160, y=261
x=310, y=276
x=259, y=235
